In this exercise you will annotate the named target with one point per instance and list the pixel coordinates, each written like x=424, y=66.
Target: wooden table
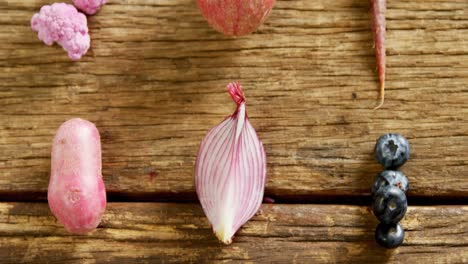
x=154, y=82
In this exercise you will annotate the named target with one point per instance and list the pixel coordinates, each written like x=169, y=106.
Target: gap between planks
x=190, y=197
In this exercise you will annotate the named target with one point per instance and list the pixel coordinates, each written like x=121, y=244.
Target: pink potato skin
x=76, y=194
x=235, y=17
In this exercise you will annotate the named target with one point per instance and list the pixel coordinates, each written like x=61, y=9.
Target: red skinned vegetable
x=230, y=171
x=378, y=8
x=235, y=17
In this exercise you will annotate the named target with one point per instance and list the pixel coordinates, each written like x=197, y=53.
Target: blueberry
x=389, y=177
x=389, y=236
x=390, y=204
x=392, y=150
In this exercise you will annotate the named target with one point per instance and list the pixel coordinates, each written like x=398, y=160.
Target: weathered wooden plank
x=153, y=82
x=152, y=232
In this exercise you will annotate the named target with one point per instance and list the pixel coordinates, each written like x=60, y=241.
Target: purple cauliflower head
x=90, y=7
x=63, y=24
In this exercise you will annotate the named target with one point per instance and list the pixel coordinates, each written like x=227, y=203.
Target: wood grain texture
x=179, y=233
x=154, y=83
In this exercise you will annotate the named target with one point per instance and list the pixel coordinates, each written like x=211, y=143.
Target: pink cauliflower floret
x=63, y=24
x=89, y=6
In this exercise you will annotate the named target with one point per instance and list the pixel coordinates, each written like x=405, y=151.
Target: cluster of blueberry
x=389, y=189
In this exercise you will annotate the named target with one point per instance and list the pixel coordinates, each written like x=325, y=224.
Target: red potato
x=234, y=17
x=378, y=8
x=76, y=194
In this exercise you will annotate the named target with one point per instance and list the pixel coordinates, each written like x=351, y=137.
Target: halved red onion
x=230, y=171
